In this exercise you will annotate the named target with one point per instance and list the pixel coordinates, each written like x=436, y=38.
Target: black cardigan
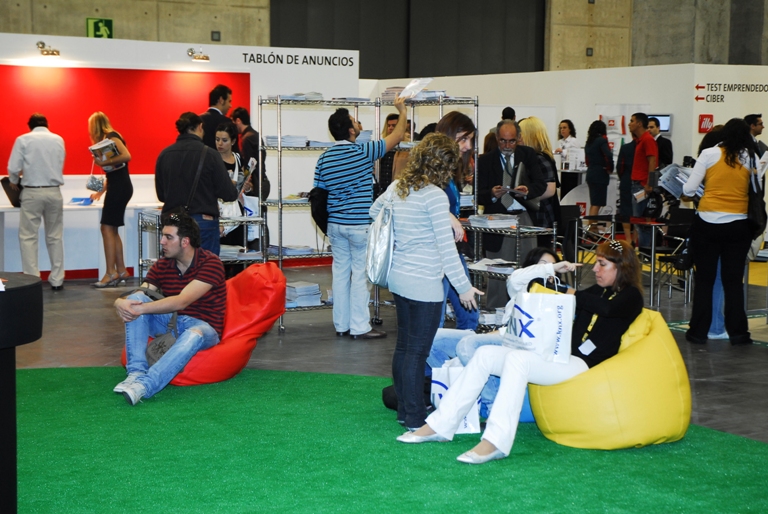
x=613, y=319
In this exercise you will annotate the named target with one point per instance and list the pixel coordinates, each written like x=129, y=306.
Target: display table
x=21, y=322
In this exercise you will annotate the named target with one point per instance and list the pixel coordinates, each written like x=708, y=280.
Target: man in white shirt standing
x=37, y=162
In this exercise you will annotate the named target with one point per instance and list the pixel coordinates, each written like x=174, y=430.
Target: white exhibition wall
x=581, y=95
x=576, y=95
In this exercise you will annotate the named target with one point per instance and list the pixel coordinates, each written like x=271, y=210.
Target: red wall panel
x=142, y=105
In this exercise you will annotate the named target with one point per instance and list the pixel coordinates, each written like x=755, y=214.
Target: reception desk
x=83, y=247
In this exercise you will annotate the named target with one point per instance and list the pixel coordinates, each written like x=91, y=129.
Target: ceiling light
x=198, y=56
x=46, y=50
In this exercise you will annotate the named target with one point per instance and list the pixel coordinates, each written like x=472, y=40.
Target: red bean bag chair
x=255, y=299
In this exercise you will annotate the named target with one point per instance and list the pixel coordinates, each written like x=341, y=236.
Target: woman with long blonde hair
x=424, y=252
x=119, y=190
x=534, y=135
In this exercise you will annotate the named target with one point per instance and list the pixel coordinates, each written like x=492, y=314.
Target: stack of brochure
x=429, y=94
x=287, y=140
x=292, y=250
x=500, y=221
x=466, y=200
x=312, y=95
x=673, y=177
x=493, y=265
x=303, y=294
x=391, y=93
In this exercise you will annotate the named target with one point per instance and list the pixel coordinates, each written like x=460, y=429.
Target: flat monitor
x=665, y=122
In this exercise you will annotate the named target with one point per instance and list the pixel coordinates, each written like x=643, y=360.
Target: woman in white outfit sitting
x=603, y=313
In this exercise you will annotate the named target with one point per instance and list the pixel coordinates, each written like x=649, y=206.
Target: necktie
x=507, y=199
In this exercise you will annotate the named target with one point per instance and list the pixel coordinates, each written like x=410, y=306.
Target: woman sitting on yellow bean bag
x=603, y=313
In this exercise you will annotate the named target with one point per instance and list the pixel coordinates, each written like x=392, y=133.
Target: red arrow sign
x=699, y=98
x=700, y=87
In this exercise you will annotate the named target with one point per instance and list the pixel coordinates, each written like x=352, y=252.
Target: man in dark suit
x=755, y=122
x=510, y=181
x=220, y=101
x=664, y=144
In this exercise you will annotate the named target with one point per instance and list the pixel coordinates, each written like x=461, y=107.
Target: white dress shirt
x=38, y=156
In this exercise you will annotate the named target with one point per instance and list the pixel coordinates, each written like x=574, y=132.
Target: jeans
x=351, y=289
x=465, y=320
x=643, y=232
x=717, y=326
x=463, y=344
x=729, y=243
x=416, y=328
x=193, y=335
x=209, y=233
x=516, y=368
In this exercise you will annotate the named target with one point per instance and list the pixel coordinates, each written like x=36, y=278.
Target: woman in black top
x=599, y=166
x=603, y=313
x=118, y=193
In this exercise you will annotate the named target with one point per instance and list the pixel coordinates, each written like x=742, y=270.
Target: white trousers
x=517, y=368
x=42, y=205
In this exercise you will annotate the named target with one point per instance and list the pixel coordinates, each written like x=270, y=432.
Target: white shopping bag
x=442, y=378
x=542, y=323
x=251, y=207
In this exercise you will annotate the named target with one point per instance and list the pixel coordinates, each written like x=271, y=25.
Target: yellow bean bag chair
x=639, y=397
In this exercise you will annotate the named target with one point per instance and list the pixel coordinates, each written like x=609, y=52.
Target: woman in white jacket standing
x=424, y=252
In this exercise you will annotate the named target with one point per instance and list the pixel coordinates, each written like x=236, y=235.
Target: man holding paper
x=510, y=181
x=346, y=171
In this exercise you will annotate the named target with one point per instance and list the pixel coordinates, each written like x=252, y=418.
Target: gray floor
x=729, y=384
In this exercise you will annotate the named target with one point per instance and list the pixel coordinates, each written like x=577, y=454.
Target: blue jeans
x=465, y=320
x=351, y=289
x=209, y=233
x=416, y=328
x=717, y=326
x=193, y=335
x=643, y=232
x=463, y=344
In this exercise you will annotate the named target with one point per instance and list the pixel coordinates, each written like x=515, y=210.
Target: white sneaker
x=133, y=393
x=119, y=388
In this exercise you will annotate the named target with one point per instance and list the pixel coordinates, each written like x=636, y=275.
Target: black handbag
x=318, y=200
x=756, y=216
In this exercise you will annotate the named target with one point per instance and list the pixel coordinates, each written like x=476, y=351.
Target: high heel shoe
x=124, y=276
x=112, y=282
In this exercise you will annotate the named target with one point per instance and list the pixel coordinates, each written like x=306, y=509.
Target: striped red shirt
x=205, y=267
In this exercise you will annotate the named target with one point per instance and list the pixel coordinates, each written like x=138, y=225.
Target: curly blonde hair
x=433, y=161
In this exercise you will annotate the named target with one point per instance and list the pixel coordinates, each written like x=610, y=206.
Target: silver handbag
x=381, y=242
x=95, y=183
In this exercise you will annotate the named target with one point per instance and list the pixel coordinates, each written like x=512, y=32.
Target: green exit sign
x=99, y=27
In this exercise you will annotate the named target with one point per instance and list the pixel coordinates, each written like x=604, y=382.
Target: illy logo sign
x=706, y=122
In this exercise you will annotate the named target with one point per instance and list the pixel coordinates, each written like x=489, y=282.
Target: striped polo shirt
x=346, y=172
x=205, y=267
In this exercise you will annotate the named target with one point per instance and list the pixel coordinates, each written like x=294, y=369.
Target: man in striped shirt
x=193, y=282
x=346, y=172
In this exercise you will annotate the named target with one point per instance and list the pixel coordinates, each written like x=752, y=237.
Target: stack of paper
x=353, y=99
x=292, y=250
x=429, y=94
x=320, y=144
x=673, y=177
x=391, y=93
x=487, y=318
x=496, y=264
x=304, y=294
x=466, y=200
x=493, y=220
x=287, y=140
x=312, y=95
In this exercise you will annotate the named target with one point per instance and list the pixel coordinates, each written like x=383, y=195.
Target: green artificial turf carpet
x=270, y=441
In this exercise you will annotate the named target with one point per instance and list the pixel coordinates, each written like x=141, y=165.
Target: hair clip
x=616, y=246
